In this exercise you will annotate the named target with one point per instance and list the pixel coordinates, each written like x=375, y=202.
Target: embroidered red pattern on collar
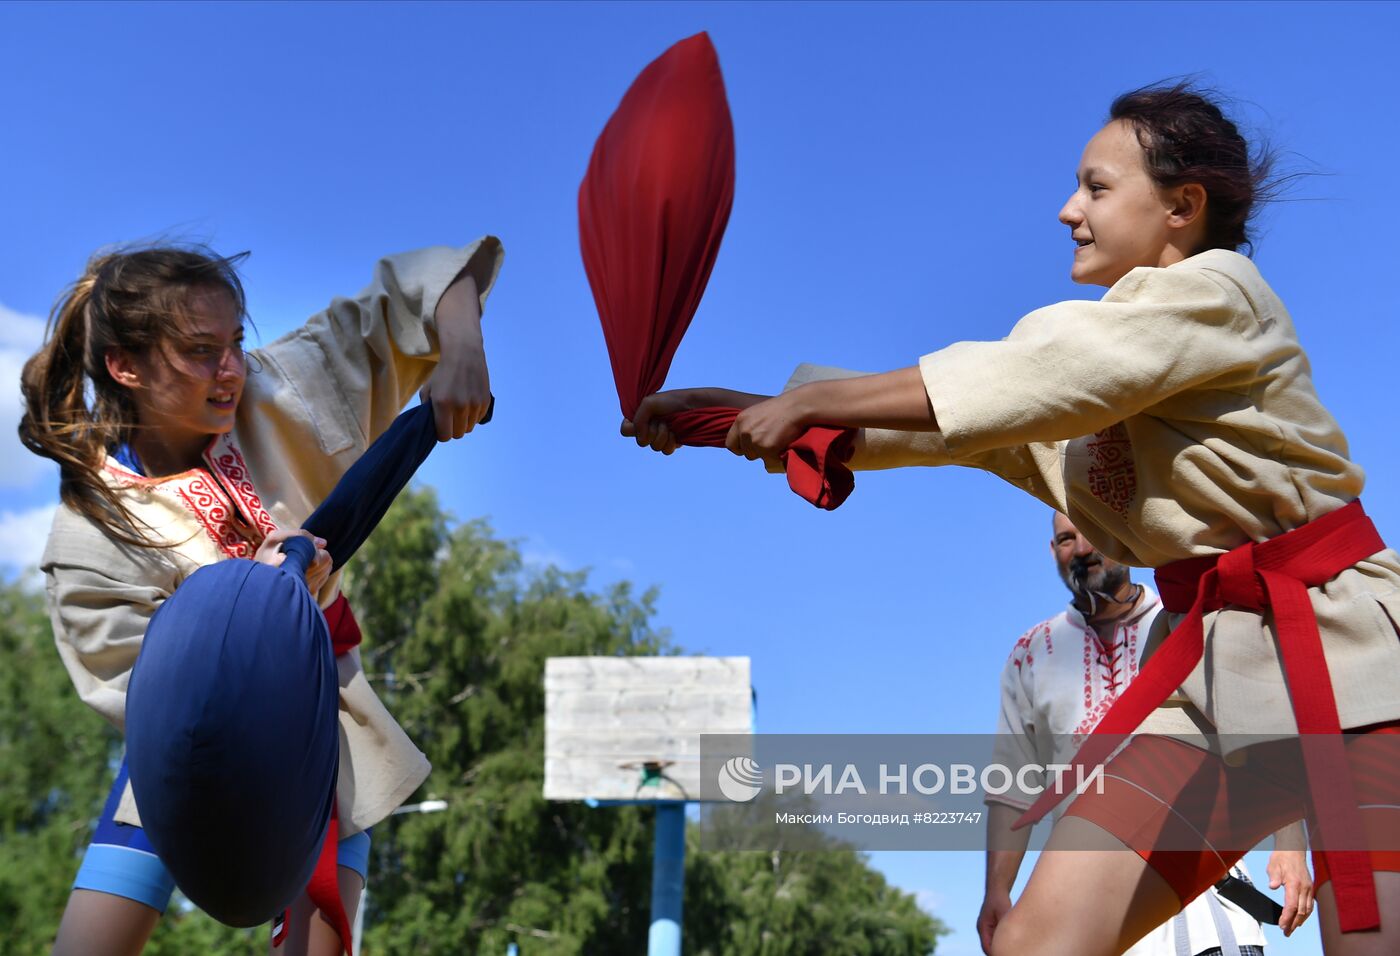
x=224, y=457
x=213, y=497
x=1113, y=669
x=205, y=500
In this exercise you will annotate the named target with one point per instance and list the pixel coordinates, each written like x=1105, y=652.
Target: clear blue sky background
x=899, y=171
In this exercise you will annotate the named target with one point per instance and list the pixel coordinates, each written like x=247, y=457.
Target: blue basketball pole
x=667, y=880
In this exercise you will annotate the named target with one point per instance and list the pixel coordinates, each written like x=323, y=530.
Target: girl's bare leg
x=1383, y=943
x=100, y=924
x=310, y=933
x=1096, y=899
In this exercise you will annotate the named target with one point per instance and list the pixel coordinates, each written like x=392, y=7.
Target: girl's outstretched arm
x=895, y=400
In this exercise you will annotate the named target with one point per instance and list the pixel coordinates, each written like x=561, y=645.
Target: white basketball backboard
x=628, y=728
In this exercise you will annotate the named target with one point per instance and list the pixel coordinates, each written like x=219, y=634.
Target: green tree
x=799, y=903
x=54, y=759
x=57, y=761
x=805, y=893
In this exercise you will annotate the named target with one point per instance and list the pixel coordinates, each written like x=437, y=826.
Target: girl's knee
x=1016, y=936
x=1026, y=932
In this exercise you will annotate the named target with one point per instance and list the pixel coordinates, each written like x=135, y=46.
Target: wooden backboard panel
x=605, y=717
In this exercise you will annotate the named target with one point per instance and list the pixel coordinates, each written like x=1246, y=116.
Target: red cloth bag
x=651, y=212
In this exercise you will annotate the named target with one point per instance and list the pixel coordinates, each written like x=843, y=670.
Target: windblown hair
x=74, y=411
x=1187, y=138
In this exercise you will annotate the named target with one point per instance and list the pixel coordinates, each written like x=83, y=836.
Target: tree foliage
x=807, y=893
x=457, y=633
x=54, y=757
x=57, y=761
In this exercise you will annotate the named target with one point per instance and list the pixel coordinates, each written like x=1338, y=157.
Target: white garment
x=1201, y=933
x=1058, y=682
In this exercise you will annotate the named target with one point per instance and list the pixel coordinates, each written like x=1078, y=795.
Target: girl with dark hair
x=177, y=449
x=1175, y=422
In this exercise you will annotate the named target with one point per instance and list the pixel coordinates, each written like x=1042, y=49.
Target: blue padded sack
x=232, y=728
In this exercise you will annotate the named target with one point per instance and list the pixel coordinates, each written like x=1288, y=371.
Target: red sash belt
x=324, y=888
x=1269, y=575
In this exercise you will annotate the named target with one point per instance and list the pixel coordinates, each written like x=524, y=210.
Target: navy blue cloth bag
x=232, y=727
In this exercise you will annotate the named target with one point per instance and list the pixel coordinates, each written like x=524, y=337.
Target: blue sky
x=899, y=171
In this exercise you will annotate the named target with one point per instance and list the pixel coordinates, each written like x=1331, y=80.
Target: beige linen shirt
x=313, y=402
x=1175, y=417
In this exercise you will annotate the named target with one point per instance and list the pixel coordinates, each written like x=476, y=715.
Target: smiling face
x=187, y=389
x=1083, y=569
x=1118, y=217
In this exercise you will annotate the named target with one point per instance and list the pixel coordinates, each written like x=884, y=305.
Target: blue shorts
x=121, y=861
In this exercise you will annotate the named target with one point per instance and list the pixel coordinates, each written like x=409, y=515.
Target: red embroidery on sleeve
x=1112, y=476
x=1021, y=653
